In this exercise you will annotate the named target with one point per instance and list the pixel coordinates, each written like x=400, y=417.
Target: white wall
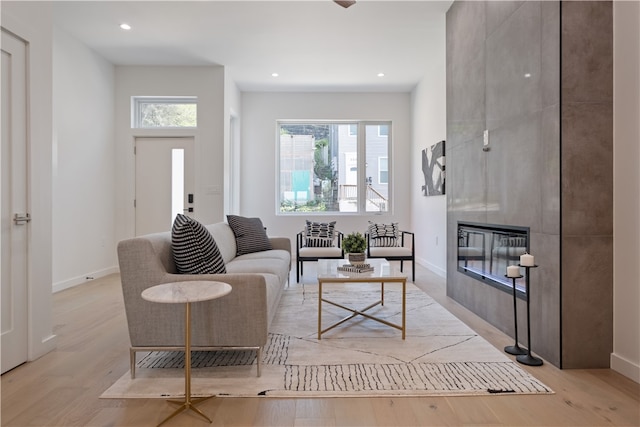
x=207, y=83
x=232, y=138
x=33, y=23
x=429, y=118
x=626, y=190
x=261, y=110
x=83, y=163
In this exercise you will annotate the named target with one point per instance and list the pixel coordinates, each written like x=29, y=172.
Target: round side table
x=186, y=293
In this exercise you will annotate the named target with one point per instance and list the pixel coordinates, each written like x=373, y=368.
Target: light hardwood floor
x=63, y=387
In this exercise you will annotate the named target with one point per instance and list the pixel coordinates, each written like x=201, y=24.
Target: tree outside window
x=321, y=170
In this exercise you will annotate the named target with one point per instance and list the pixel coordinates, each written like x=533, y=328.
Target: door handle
x=188, y=210
x=21, y=218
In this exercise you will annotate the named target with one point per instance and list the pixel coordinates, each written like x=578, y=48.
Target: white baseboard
x=437, y=270
x=625, y=367
x=70, y=283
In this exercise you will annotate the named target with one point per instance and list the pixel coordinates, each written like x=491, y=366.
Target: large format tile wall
x=538, y=77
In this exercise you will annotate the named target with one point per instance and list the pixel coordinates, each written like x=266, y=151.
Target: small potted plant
x=354, y=244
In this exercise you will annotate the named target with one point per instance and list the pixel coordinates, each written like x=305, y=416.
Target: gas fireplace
x=485, y=251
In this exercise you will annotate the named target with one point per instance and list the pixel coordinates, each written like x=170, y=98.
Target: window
x=164, y=112
x=330, y=167
x=383, y=170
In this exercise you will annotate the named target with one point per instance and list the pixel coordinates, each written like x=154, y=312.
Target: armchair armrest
x=402, y=240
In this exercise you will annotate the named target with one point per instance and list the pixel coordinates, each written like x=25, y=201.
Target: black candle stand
x=515, y=349
x=528, y=359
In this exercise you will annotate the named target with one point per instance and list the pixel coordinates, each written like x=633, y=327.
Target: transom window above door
x=334, y=167
x=153, y=112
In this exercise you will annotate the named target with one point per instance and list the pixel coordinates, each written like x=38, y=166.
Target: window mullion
x=362, y=167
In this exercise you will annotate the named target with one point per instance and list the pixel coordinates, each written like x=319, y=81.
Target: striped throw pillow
x=319, y=242
x=320, y=234
x=194, y=249
x=383, y=235
x=250, y=234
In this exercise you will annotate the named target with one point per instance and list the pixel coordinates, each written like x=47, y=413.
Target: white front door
x=164, y=182
x=15, y=209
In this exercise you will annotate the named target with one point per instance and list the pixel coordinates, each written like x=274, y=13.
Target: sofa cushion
x=250, y=234
x=383, y=235
x=275, y=254
x=260, y=266
x=225, y=239
x=194, y=249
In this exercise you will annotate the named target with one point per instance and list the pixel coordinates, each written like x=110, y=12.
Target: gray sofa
x=239, y=320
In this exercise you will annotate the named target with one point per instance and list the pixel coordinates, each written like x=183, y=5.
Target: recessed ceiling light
x=274, y=74
x=380, y=74
x=125, y=26
x=527, y=75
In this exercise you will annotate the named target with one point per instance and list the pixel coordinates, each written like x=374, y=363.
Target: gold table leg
x=187, y=403
x=361, y=312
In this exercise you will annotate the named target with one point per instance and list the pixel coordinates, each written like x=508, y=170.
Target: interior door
x=164, y=182
x=15, y=210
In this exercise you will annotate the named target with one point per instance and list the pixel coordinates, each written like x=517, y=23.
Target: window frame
x=137, y=101
x=361, y=162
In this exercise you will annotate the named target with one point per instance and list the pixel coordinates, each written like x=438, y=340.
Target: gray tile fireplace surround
x=539, y=77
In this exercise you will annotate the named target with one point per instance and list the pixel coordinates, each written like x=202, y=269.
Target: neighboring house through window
x=333, y=167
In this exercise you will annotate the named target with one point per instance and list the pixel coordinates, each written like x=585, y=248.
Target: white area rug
x=440, y=355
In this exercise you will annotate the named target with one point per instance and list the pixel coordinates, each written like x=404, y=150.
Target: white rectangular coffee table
x=382, y=273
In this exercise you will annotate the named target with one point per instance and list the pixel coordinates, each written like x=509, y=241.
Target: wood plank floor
x=63, y=387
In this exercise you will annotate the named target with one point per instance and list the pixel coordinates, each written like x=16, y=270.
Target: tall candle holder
x=515, y=349
x=528, y=359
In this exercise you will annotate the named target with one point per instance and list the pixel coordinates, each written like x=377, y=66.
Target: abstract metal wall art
x=433, y=169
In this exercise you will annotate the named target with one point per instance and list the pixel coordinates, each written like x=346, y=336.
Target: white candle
x=513, y=271
x=527, y=260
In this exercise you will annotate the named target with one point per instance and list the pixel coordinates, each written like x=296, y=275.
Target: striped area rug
x=440, y=356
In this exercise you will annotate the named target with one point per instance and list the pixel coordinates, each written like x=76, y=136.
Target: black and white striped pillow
x=194, y=249
x=321, y=229
x=319, y=242
x=320, y=234
x=383, y=235
x=250, y=234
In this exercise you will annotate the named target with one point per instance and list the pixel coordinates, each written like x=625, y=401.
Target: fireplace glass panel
x=485, y=251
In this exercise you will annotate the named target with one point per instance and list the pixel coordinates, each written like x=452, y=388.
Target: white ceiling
x=313, y=45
